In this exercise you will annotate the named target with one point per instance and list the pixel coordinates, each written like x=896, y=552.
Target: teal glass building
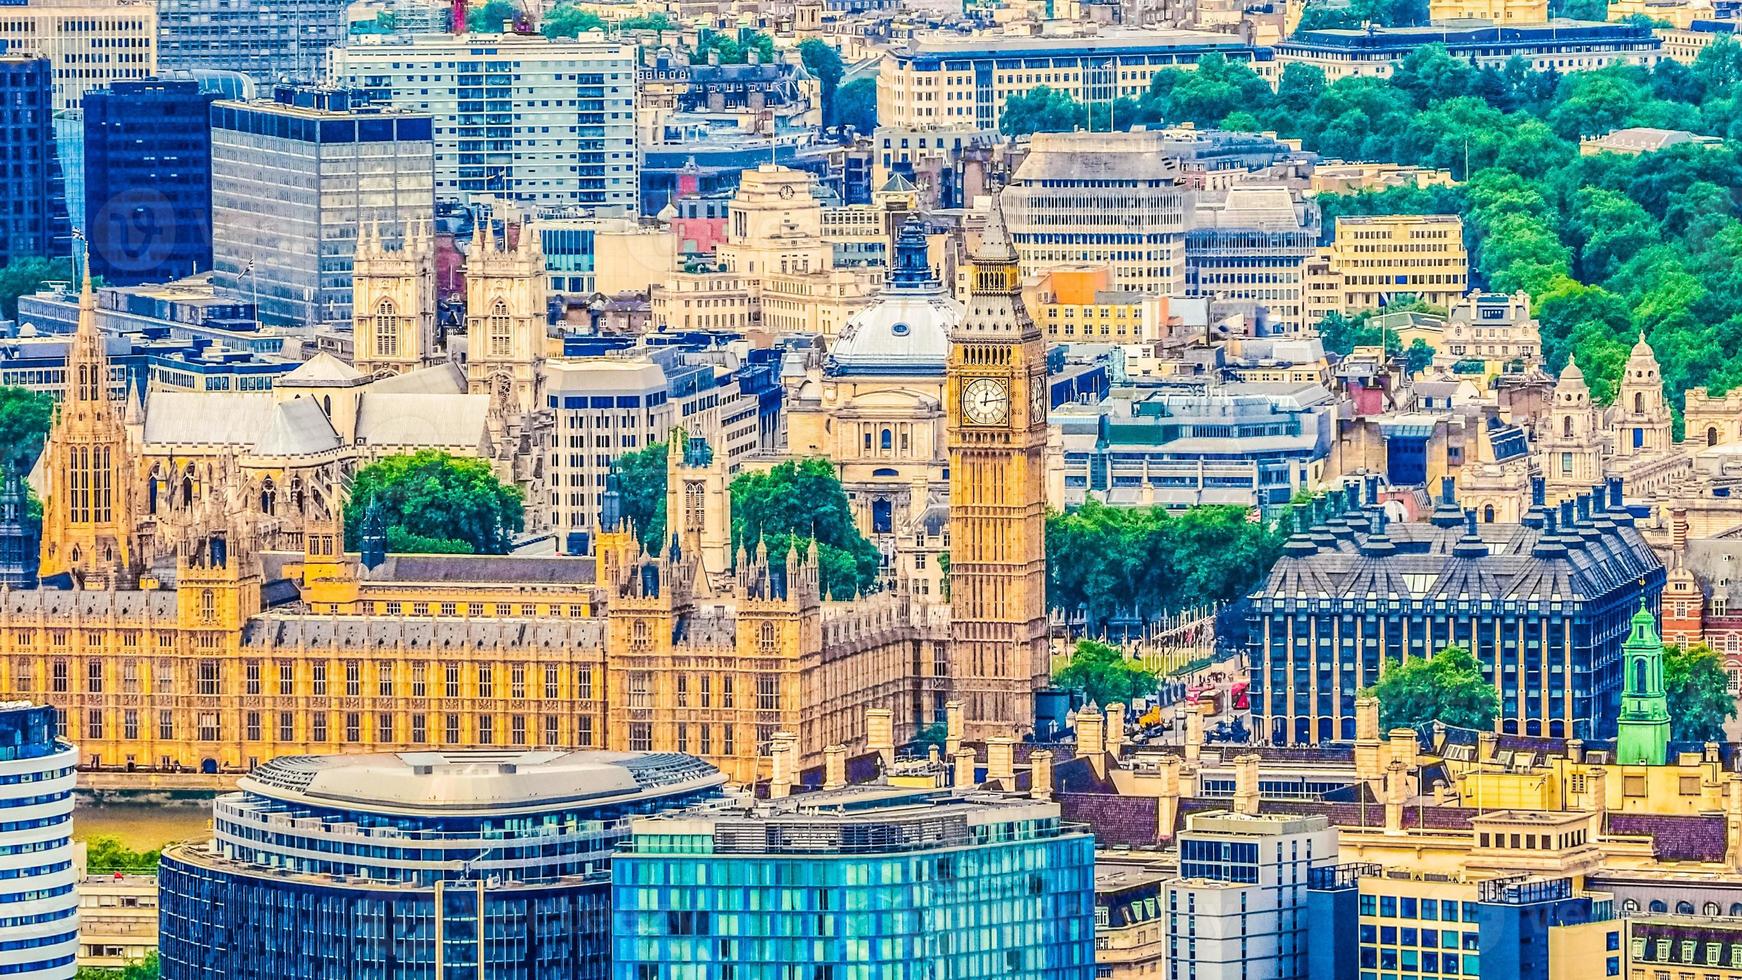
x=874, y=883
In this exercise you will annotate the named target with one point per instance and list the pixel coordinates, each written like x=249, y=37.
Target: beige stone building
x=875, y=406
x=1499, y=11
x=1377, y=259
x=1494, y=329
x=89, y=43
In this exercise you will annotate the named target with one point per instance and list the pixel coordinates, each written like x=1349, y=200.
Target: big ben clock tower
x=997, y=399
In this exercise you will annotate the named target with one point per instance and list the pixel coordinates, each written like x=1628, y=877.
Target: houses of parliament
x=179, y=633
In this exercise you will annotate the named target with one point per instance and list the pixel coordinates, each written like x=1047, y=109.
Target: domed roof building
x=876, y=406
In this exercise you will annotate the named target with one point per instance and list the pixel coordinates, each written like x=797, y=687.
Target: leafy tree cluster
x=1607, y=245
x=788, y=504
x=657, y=21
x=824, y=64
x=733, y=48
x=24, y=419
x=105, y=854
x=146, y=969
x=856, y=105
x=1356, y=14
x=1447, y=686
x=493, y=16
x=798, y=501
x=1104, y=675
x=25, y=274
x=432, y=502
x=1105, y=560
x=1698, y=694
x=568, y=20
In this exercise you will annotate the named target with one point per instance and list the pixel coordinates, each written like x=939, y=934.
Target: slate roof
x=471, y=569
x=1357, y=553
x=1115, y=819
x=1674, y=837
x=395, y=418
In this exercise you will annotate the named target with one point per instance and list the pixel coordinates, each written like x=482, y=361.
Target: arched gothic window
x=501, y=330
x=386, y=329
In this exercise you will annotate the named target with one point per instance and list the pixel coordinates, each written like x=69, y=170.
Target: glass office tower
x=377, y=866
x=873, y=883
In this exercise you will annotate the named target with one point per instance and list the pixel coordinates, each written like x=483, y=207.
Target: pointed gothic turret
x=1643, y=737
x=89, y=523
x=393, y=303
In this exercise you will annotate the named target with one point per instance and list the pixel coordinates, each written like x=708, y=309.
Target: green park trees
x=797, y=502
x=787, y=505
x=1697, y=694
x=1608, y=246
x=433, y=502
x=1105, y=675
x=1105, y=560
x=24, y=421
x=24, y=274
x=1447, y=687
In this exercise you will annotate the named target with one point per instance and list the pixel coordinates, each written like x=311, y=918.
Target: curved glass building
x=39, y=924
x=383, y=865
x=870, y=883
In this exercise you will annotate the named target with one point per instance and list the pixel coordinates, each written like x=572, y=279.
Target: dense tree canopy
x=824, y=63
x=733, y=48
x=1447, y=686
x=433, y=502
x=493, y=16
x=795, y=502
x=641, y=486
x=785, y=505
x=106, y=854
x=657, y=21
x=24, y=421
x=856, y=105
x=24, y=274
x=1105, y=675
x=146, y=969
x=1607, y=245
x=1108, y=560
x=568, y=20
x=1698, y=694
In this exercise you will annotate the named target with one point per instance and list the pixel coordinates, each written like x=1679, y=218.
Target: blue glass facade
x=33, y=207
x=39, y=931
x=148, y=180
x=383, y=866
x=948, y=890
x=1544, y=605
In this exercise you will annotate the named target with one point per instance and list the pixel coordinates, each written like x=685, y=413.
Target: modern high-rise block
x=39, y=935
x=148, y=180
x=271, y=42
x=1544, y=605
x=1118, y=200
x=534, y=120
x=383, y=866
x=89, y=43
x=33, y=210
x=872, y=883
x=1239, y=908
x=293, y=179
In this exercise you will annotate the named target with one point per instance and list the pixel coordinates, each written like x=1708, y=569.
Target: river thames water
x=142, y=826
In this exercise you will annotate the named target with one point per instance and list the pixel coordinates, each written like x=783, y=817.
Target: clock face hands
x=986, y=401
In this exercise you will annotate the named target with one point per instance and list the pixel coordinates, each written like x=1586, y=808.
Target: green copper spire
x=1644, y=730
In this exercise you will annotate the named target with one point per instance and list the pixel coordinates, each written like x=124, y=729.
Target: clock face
x=986, y=401
x=1038, y=403
x=786, y=190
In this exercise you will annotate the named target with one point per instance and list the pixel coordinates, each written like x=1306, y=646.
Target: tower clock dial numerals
x=986, y=401
x=1038, y=400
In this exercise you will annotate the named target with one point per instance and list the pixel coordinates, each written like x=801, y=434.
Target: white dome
x=901, y=333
